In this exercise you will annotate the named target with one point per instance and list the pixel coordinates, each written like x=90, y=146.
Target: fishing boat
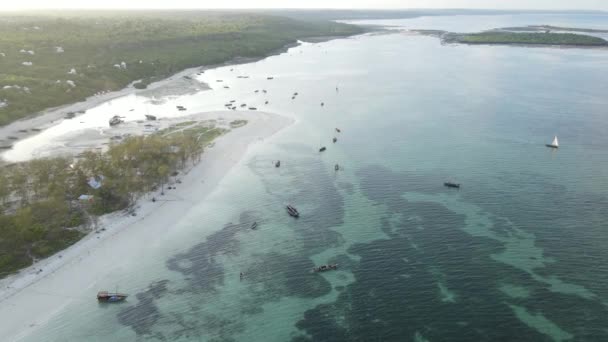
x=244, y=105
x=337, y=167
x=554, y=143
x=150, y=117
x=110, y=297
x=254, y=225
x=270, y=78
x=338, y=130
x=322, y=104
x=324, y=268
x=266, y=102
x=115, y=120
x=334, y=140
x=253, y=108
x=451, y=184
x=322, y=149
x=277, y=164
x=292, y=211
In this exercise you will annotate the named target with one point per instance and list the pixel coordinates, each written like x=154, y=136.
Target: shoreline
x=36, y=122
x=75, y=269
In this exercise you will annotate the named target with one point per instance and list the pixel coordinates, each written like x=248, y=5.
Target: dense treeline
x=89, y=49
x=500, y=37
x=42, y=207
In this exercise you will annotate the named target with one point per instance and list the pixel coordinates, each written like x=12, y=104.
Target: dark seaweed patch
x=142, y=316
x=198, y=263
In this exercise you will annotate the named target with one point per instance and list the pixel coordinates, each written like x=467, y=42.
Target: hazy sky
x=494, y=4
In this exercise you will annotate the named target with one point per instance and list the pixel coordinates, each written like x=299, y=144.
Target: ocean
x=518, y=253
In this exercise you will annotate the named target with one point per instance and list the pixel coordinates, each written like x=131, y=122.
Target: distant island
x=529, y=35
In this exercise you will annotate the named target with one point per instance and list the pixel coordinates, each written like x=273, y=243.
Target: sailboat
x=554, y=143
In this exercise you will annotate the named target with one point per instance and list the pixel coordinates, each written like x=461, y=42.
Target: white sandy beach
x=24, y=304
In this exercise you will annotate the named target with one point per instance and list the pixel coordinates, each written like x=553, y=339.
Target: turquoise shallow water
x=517, y=254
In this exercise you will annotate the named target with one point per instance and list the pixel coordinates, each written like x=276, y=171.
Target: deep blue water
x=517, y=254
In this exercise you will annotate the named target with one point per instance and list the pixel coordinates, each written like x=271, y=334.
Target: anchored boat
x=324, y=268
x=450, y=184
x=110, y=297
x=292, y=211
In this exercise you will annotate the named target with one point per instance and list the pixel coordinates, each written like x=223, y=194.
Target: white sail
x=555, y=142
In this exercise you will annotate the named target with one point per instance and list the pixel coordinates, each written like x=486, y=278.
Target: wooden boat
x=322, y=149
x=337, y=167
x=254, y=225
x=253, y=108
x=292, y=211
x=277, y=164
x=150, y=117
x=244, y=105
x=322, y=104
x=338, y=130
x=554, y=143
x=324, y=268
x=115, y=120
x=266, y=102
x=257, y=91
x=6, y=147
x=450, y=184
x=270, y=78
x=110, y=297
x=334, y=140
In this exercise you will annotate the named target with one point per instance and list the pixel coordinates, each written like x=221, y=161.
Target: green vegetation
x=238, y=123
x=530, y=38
x=89, y=48
x=41, y=208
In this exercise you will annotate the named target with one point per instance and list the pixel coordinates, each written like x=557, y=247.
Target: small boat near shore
x=554, y=143
x=115, y=120
x=324, y=268
x=110, y=297
x=450, y=184
x=292, y=211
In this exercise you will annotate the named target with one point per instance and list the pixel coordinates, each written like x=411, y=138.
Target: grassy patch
x=238, y=123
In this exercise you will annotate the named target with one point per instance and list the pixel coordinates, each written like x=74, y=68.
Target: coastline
x=33, y=124
x=76, y=269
